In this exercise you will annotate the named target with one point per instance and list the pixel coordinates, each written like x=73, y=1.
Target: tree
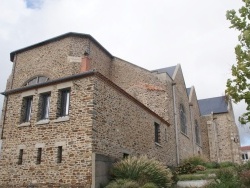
x=239, y=85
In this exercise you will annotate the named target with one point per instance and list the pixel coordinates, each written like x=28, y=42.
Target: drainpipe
x=176, y=128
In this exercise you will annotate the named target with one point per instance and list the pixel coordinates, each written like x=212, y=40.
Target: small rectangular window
x=26, y=110
x=157, y=132
x=64, y=110
x=20, y=157
x=39, y=156
x=59, y=154
x=125, y=155
x=45, y=100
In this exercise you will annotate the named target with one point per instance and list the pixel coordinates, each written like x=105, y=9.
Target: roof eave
x=12, y=54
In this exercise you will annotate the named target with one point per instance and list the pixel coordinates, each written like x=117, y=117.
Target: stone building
x=71, y=109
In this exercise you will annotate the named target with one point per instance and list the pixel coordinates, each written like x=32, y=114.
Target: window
x=39, y=156
x=45, y=104
x=245, y=156
x=197, y=132
x=37, y=80
x=183, y=119
x=125, y=155
x=26, y=109
x=157, y=132
x=59, y=154
x=20, y=157
x=64, y=110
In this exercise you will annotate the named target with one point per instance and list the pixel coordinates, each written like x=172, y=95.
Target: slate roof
x=216, y=105
x=168, y=70
x=188, y=91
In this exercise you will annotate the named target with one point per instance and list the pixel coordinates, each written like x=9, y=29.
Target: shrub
x=122, y=183
x=212, y=165
x=195, y=160
x=226, y=164
x=226, y=178
x=142, y=170
x=186, y=168
x=200, y=168
x=245, y=177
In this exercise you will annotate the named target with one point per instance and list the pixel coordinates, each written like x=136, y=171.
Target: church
x=71, y=109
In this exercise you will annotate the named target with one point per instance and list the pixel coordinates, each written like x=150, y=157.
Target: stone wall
x=143, y=85
x=58, y=59
x=73, y=133
x=186, y=146
x=122, y=127
x=220, y=138
x=195, y=119
x=205, y=121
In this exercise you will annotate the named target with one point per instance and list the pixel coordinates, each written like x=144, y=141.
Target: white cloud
x=151, y=34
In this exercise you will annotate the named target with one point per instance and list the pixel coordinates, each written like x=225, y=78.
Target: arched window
x=183, y=119
x=37, y=80
x=197, y=132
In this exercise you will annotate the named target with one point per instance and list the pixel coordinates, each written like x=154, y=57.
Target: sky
x=149, y=33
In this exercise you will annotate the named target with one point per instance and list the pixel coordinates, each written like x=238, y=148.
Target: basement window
x=59, y=154
x=39, y=156
x=20, y=157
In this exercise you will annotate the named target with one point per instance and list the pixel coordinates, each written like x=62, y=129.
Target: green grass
x=208, y=171
x=185, y=177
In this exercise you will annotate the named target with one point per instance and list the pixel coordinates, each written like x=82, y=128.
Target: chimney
x=85, y=65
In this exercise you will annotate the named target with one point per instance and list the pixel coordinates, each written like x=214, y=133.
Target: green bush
x=211, y=165
x=226, y=164
x=245, y=177
x=142, y=170
x=195, y=160
x=226, y=178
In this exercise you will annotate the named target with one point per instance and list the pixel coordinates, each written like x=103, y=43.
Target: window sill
x=199, y=145
x=25, y=124
x=61, y=119
x=158, y=144
x=43, y=121
x=184, y=134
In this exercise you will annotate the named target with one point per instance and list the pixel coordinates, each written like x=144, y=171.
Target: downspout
x=176, y=128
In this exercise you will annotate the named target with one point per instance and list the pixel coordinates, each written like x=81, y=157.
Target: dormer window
x=37, y=80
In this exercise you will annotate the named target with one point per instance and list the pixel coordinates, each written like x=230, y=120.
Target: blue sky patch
x=34, y=4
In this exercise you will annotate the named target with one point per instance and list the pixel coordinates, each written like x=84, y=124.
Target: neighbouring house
x=71, y=109
x=245, y=153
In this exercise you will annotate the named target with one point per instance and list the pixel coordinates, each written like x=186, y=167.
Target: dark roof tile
x=216, y=105
x=168, y=70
